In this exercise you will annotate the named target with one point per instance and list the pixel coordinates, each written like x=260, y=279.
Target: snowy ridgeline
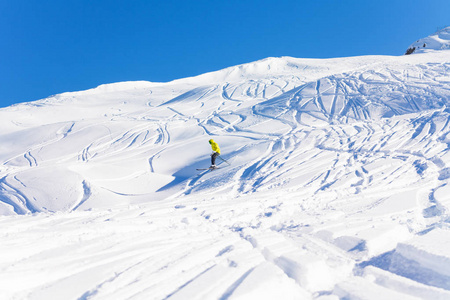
x=338, y=186
x=438, y=41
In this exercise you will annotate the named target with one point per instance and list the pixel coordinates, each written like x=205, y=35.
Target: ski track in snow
x=337, y=189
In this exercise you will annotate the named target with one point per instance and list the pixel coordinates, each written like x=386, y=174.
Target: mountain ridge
x=337, y=186
x=435, y=42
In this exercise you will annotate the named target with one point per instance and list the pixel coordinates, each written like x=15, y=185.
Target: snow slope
x=338, y=186
x=438, y=41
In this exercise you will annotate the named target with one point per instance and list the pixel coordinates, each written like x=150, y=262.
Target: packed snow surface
x=336, y=185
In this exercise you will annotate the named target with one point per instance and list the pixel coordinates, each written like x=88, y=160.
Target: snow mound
x=425, y=259
x=437, y=41
x=335, y=185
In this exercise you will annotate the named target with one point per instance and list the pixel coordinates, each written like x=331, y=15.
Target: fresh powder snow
x=337, y=187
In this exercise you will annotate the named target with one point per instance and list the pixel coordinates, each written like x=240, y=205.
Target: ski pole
x=224, y=160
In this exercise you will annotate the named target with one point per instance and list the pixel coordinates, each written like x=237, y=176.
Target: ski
x=204, y=169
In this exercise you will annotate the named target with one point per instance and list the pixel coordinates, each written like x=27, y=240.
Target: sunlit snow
x=337, y=188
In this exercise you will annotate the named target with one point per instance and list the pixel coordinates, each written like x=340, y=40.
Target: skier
x=216, y=152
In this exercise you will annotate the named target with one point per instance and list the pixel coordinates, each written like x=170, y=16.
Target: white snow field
x=338, y=188
x=437, y=41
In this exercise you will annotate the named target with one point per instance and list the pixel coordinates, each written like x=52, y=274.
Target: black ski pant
x=213, y=158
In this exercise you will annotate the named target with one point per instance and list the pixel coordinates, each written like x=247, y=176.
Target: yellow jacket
x=214, y=146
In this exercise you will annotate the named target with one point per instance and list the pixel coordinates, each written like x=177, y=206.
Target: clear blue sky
x=53, y=46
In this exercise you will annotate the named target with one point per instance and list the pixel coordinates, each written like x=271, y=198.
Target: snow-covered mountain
x=337, y=188
x=437, y=41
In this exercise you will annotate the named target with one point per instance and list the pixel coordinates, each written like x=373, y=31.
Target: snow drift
x=338, y=185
